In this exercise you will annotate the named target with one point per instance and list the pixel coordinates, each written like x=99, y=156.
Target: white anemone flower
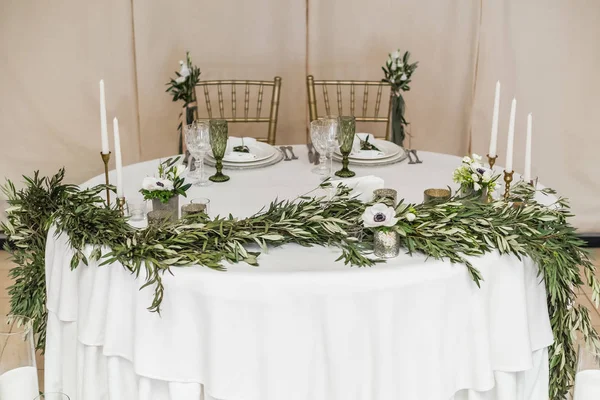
x=151, y=183
x=379, y=215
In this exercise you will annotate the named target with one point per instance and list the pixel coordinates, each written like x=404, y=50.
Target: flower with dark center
x=379, y=217
x=160, y=184
x=480, y=170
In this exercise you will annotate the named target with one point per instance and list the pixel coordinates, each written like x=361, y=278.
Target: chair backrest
x=204, y=87
x=365, y=114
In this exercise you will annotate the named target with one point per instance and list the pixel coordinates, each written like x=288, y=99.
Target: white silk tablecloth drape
x=299, y=327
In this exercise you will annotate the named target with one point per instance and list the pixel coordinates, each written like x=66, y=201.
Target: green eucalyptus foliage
x=450, y=230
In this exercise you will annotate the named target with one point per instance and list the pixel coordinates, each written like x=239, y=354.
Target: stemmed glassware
x=317, y=138
x=324, y=135
x=197, y=139
x=218, y=141
x=587, y=379
x=18, y=372
x=331, y=139
x=346, y=132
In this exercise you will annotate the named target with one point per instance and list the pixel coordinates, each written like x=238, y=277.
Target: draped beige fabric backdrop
x=543, y=51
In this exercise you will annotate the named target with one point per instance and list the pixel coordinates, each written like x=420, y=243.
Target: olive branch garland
x=450, y=230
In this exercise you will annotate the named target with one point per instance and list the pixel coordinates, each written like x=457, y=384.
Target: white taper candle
x=118, y=160
x=494, y=137
x=103, y=123
x=511, y=137
x=527, y=172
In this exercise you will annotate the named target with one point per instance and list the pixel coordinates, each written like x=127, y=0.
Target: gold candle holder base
x=491, y=160
x=121, y=204
x=105, y=159
x=508, y=177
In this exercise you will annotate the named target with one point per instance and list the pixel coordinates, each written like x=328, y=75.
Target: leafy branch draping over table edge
x=451, y=230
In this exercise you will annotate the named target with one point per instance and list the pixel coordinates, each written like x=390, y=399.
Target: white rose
x=403, y=77
x=184, y=71
x=410, y=217
x=476, y=157
x=379, y=215
x=476, y=186
x=475, y=177
x=180, y=169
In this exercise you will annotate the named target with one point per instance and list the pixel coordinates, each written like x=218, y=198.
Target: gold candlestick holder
x=121, y=204
x=492, y=160
x=105, y=159
x=508, y=177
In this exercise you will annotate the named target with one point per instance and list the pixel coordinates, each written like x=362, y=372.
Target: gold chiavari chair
x=364, y=115
x=231, y=96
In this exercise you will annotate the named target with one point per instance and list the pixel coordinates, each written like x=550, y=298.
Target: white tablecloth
x=300, y=326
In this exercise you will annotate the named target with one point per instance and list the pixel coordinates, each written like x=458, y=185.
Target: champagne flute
x=218, y=141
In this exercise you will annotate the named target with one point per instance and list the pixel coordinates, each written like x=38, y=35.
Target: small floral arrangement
x=168, y=184
x=382, y=216
x=474, y=177
x=182, y=87
x=398, y=71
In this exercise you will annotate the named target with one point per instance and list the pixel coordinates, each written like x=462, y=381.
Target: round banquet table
x=300, y=326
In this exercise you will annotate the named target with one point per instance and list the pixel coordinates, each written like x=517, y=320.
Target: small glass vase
x=218, y=141
x=587, y=378
x=389, y=197
x=397, y=119
x=346, y=132
x=171, y=206
x=481, y=194
x=18, y=371
x=386, y=244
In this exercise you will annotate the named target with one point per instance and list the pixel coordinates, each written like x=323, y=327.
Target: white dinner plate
x=387, y=149
x=261, y=151
x=398, y=157
x=274, y=159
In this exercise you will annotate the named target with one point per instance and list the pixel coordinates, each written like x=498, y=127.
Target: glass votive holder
x=386, y=244
x=437, y=195
x=587, y=378
x=202, y=201
x=136, y=209
x=53, y=396
x=355, y=232
x=18, y=371
x=192, y=209
x=158, y=217
x=388, y=197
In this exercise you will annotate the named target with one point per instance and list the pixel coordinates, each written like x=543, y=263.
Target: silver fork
x=291, y=149
x=285, y=154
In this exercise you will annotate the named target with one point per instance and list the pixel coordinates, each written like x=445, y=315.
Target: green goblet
x=218, y=142
x=346, y=132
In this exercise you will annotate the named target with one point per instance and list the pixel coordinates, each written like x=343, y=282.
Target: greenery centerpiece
x=398, y=72
x=475, y=179
x=382, y=219
x=182, y=87
x=165, y=189
x=449, y=230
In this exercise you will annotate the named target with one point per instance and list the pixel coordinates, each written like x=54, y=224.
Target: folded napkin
x=362, y=187
x=236, y=156
x=356, y=150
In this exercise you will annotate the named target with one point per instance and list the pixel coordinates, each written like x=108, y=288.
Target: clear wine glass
x=317, y=138
x=331, y=138
x=198, y=142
